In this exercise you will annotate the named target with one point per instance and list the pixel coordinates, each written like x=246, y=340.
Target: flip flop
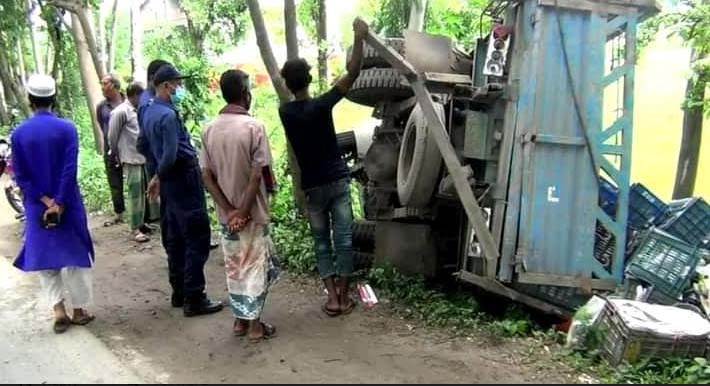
x=61, y=325
x=145, y=229
x=329, y=312
x=83, y=321
x=349, y=309
x=141, y=237
x=269, y=332
x=113, y=222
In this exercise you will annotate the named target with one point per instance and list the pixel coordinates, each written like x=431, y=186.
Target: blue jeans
x=329, y=208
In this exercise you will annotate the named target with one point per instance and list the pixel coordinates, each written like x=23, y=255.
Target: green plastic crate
x=664, y=262
x=689, y=220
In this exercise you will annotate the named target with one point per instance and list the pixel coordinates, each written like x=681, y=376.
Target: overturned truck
x=487, y=165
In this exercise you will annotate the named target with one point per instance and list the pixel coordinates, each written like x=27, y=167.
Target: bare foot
x=259, y=331
x=240, y=327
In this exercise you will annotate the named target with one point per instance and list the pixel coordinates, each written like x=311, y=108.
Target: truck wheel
x=364, y=235
x=419, y=160
x=379, y=85
x=370, y=57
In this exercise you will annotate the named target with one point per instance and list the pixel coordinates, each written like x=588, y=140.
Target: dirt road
x=138, y=337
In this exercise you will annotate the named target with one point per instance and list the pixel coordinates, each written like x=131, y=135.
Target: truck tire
x=372, y=59
x=364, y=236
x=347, y=142
x=419, y=160
x=363, y=260
x=379, y=85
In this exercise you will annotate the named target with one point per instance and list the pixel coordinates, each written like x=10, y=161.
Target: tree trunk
x=267, y=55
x=291, y=23
x=54, y=33
x=36, y=56
x=88, y=77
x=6, y=82
x=13, y=91
x=110, y=46
x=137, y=69
x=4, y=117
x=417, y=12
x=89, y=39
x=47, y=58
x=101, y=32
x=322, y=46
x=21, y=62
x=689, y=156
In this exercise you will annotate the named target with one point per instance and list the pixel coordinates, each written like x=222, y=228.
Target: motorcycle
x=13, y=193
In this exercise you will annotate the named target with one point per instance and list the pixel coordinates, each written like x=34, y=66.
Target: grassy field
x=660, y=86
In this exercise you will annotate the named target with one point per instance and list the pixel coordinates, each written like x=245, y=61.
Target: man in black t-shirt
x=324, y=175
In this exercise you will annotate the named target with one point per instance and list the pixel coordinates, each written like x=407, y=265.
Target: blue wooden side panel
x=557, y=208
x=559, y=191
x=526, y=45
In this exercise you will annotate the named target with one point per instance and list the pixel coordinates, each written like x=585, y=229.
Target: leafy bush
x=432, y=306
x=291, y=232
x=92, y=181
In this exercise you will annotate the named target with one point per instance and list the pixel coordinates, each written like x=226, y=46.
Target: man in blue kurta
x=44, y=156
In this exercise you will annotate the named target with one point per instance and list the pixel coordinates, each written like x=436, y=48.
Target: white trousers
x=76, y=281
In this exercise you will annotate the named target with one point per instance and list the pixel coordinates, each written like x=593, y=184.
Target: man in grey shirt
x=123, y=139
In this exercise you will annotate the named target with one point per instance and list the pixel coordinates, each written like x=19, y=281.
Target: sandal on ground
x=113, y=222
x=61, y=325
x=83, y=320
x=140, y=237
x=240, y=332
x=148, y=228
x=269, y=332
x=349, y=309
x=329, y=312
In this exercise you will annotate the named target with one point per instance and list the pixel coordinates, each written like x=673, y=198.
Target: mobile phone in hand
x=50, y=220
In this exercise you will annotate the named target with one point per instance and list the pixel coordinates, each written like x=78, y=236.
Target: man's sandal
x=329, y=312
x=61, y=325
x=83, y=321
x=349, y=309
x=141, y=237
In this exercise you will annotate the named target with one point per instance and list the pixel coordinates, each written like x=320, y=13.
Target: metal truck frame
x=552, y=130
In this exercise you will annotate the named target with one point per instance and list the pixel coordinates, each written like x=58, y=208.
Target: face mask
x=178, y=95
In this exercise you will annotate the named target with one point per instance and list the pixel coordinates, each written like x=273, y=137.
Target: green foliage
x=391, y=16
x=689, y=20
x=657, y=371
x=686, y=371
x=515, y=323
x=214, y=24
x=308, y=17
x=458, y=19
x=291, y=232
x=169, y=45
x=432, y=306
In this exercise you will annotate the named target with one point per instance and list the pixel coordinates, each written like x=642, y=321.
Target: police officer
x=172, y=161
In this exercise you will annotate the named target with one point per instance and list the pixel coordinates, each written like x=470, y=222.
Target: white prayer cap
x=41, y=86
